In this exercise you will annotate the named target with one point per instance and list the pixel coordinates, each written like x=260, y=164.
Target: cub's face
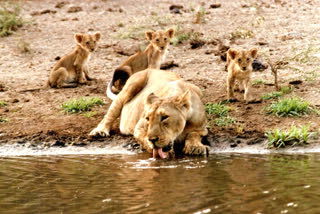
x=165, y=120
x=160, y=39
x=88, y=41
x=243, y=58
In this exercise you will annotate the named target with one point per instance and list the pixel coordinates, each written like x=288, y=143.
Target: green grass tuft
x=3, y=103
x=10, y=19
x=289, y=107
x=82, y=104
x=258, y=81
x=293, y=136
x=277, y=94
x=221, y=112
x=3, y=120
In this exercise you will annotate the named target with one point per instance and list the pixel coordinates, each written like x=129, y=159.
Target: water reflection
x=137, y=184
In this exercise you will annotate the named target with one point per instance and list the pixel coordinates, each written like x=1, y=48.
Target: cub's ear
x=151, y=98
x=97, y=36
x=170, y=32
x=232, y=53
x=78, y=37
x=149, y=35
x=184, y=101
x=253, y=52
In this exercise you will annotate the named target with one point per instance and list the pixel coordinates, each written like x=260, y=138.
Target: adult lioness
x=159, y=109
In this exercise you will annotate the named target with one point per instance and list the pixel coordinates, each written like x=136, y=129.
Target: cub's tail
x=119, y=79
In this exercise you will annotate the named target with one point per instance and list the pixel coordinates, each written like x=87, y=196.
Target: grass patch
x=276, y=94
x=3, y=120
x=89, y=114
x=304, y=55
x=293, y=136
x=82, y=104
x=258, y=82
x=241, y=33
x=221, y=114
x=293, y=106
x=10, y=20
x=182, y=35
x=3, y=103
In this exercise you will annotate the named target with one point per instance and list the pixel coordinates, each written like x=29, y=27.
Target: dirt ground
x=285, y=31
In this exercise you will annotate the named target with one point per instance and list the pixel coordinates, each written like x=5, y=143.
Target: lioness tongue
x=159, y=152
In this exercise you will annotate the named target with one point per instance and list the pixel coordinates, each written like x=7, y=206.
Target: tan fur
x=155, y=104
x=72, y=68
x=239, y=64
x=151, y=57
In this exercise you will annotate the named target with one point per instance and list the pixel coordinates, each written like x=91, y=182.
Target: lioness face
x=165, y=120
x=88, y=41
x=243, y=58
x=160, y=39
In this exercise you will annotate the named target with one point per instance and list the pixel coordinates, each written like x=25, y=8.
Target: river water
x=132, y=182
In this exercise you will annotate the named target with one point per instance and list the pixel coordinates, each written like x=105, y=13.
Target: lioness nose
x=92, y=49
x=153, y=140
x=162, y=48
x=244, y=68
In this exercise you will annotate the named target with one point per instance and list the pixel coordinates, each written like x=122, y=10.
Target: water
x=135, y=183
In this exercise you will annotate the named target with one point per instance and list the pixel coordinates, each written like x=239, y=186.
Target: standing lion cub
x=151, y=57
x=239, y=64
x=72, y=68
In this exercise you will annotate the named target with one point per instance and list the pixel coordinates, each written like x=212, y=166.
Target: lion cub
x=151, y=57
x=239, y=64
x=72, y=68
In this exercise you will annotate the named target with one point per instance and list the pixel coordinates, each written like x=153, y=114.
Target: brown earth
x=284, y=31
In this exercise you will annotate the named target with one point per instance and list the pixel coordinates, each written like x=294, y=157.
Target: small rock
x=61, y=4
x=15, y=100
x=215, y=5
x=209, y=51
x=168, y=65
x=75, y=19
x=74, y=9
x=196, y=43
x=261, y=42
x=57, y=58
x=295, y=82
x=59, y=143
x=175, y=9
x=258, y=66
x=233, y=145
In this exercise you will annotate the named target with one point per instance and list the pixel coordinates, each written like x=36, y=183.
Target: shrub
x=82, y=104
x=10, y=20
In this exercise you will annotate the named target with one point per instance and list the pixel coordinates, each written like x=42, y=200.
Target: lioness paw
x=196, y=150
x=99, y=132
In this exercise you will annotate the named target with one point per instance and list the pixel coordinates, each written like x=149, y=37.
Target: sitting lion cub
x=159, y=109
x=151, y=57
x=239, y=64
x=72, y=68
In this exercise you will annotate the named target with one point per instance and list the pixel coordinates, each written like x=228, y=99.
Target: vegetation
x=3, y=120
x=241, y=33
x=258, y=81
x=277, y=94
x=293, y=106
x=10, y=20
x=220, y=112
x=82, y=104
x=89, y=114
x=3, y=103
x=293, y=136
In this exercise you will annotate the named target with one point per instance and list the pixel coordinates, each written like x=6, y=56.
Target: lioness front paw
x=99, y=132
x=196, y=150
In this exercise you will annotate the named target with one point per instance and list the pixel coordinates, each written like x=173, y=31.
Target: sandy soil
x=284, y=31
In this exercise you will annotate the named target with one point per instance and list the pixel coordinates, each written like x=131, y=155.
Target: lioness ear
x=78, y=37
x=232, y=53
x=170, y=33
x=97, y=36
x=254, y=52
x=149, y=35
x=151, y=98
x=184, y=100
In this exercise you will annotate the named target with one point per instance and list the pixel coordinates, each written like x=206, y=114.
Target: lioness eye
x=248, y=59
x=87, y=43
x=164, y=117
x=165, y=39
x=239, y=60
x=157, y=40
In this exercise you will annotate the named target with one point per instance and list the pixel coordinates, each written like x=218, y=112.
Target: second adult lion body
x=159, y=109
